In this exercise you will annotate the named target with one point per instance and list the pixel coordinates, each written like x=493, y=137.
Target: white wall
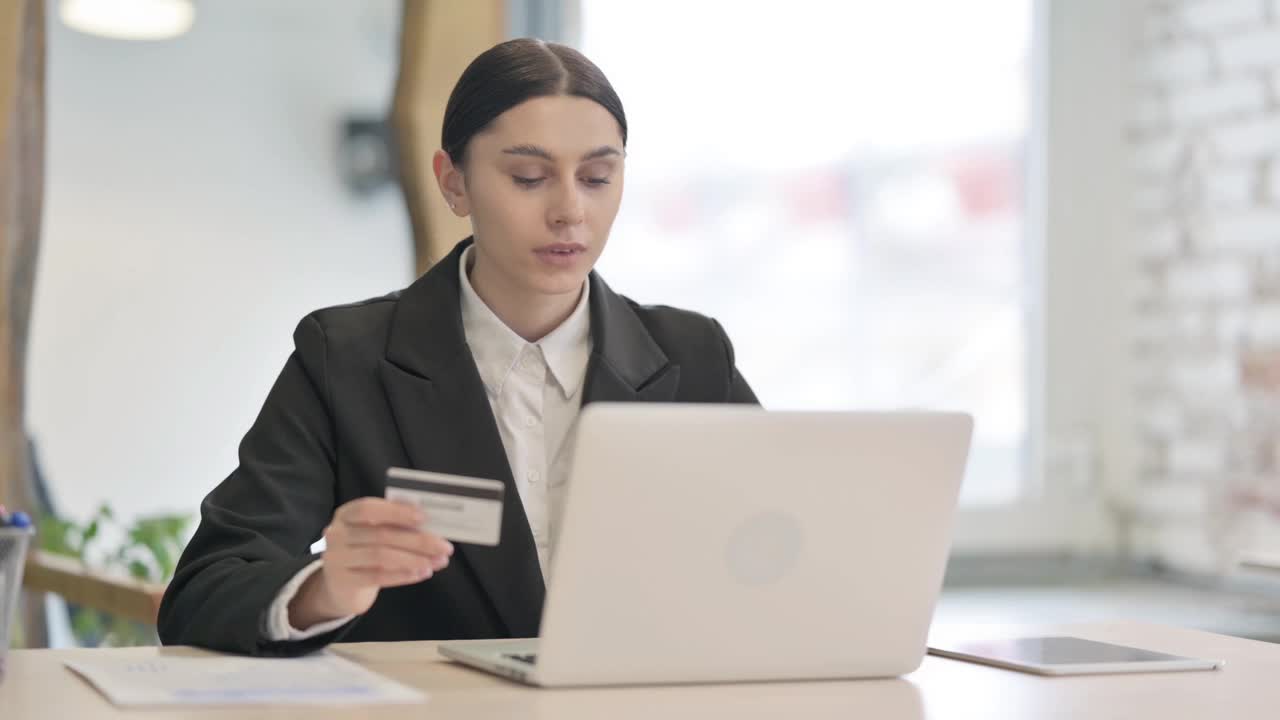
x=1205, y=131
x=194, y=215
x=1162, y=277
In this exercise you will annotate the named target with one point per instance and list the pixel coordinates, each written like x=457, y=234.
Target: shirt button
x=530, y=421
x=533, y=476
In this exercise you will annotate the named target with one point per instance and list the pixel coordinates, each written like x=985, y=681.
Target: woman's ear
x=452, y=184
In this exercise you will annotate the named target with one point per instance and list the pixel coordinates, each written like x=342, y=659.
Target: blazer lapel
x=446, y=425
x=626, y=364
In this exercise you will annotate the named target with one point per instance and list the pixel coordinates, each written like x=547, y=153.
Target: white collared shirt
x=534, y=390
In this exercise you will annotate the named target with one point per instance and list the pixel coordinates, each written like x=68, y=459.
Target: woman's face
x=542, y=185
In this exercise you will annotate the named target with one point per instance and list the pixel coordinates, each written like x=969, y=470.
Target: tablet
x=1068, y=656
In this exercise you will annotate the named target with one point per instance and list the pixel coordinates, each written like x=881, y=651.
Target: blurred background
x=1062, y=216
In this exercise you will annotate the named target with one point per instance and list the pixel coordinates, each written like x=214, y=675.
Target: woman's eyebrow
x=529, y=151
x=538, y=152
x=602, y=151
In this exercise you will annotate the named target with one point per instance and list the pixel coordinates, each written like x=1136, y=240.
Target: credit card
x=459, y=509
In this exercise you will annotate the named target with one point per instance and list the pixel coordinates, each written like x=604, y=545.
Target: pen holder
x=13, y=556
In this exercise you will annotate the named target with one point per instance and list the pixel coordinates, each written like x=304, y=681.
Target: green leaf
x=139, y=570
x=176, y=527
x=119, y=559
x=90, y=533
x=86, y=625
x=55, y=535
x=165, y=564
x=162, y=536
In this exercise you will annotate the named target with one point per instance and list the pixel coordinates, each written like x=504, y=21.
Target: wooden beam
x=121, y=597
x=438, y=39
x=22, y=128
x=21, y=195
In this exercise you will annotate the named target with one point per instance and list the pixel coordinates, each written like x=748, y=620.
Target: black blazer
x=391, y=382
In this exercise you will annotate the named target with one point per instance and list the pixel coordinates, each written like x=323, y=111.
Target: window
x=841, y=185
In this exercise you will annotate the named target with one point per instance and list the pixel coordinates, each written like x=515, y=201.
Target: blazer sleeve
x=738, y=390
x=257, y=526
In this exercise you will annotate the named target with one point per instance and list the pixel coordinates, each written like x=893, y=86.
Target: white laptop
x=714, y=543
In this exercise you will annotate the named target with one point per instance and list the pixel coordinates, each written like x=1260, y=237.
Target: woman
x=477, y=369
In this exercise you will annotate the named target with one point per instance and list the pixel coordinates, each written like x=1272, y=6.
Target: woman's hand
x=371, y=544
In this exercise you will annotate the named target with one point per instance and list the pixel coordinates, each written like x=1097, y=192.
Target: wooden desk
x=37, y=686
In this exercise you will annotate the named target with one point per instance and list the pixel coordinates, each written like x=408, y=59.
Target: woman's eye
x=596, y=181
x=526, y=181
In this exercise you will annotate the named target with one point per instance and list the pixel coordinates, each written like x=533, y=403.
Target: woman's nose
x=568, y=209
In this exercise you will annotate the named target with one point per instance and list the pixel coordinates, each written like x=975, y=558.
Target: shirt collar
x=568, y=347
x=496, y=347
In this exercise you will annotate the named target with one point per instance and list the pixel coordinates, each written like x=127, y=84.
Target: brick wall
x=1205, y=137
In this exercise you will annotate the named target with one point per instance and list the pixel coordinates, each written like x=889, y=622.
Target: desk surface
x=38, y=686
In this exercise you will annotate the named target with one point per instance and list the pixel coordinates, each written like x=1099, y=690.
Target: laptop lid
x=705, y=543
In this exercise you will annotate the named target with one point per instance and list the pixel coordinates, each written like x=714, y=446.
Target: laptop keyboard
x=529, y=658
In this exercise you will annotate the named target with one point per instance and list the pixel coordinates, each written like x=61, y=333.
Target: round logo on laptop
x=764, y=549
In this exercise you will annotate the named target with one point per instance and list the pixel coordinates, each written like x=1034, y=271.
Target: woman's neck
x=531, y=316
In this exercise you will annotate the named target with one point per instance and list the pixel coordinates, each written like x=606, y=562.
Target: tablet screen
x=1064, y=651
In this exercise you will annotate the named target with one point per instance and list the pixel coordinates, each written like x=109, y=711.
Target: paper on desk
x=233, y=680
x=1260, y=560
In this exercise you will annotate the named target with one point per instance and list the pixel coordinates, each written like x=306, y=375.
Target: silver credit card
x=459, y=509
